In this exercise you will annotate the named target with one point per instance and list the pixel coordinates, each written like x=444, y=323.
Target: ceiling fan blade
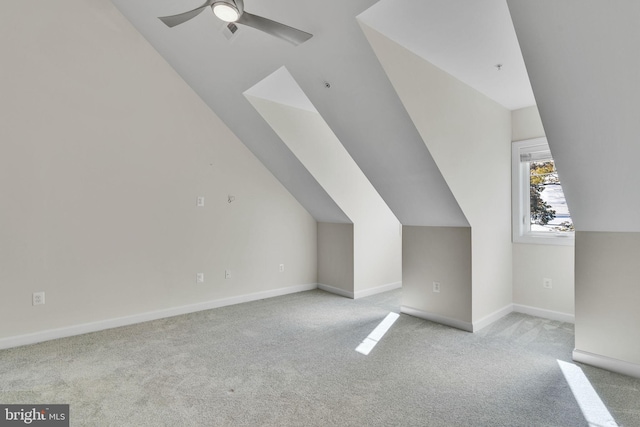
x=173, y=20
x=284, y=32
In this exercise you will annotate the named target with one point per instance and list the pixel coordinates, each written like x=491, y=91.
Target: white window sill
x=542, y=239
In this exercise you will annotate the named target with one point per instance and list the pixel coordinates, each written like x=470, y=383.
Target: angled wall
x=584, y=78
x=375, y=232
x=580, y=58
x=104, y=150
x=469, y=137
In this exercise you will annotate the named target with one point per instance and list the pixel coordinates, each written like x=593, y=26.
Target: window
x=540, y=212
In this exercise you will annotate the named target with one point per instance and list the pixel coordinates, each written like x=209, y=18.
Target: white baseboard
x=546, y=314
x=379, y=289
x=437, y=318
x=334, y=290
x=360, y=294
x=101, y=325
x=489, y=319
x=608, y=363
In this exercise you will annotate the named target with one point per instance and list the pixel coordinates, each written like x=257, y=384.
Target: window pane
x=548, y=207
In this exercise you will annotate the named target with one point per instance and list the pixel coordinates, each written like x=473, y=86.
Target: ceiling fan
x=233, y=11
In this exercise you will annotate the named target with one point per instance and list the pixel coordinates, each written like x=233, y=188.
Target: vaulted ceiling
x=473, y=41
x=360, y=106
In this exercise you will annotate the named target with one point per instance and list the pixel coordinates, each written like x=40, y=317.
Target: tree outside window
x=544, y=211
x=544, y=176
x=540, y=211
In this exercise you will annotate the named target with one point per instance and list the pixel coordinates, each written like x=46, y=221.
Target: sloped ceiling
x=467, y=39
x=360, y=106
x=584, y=62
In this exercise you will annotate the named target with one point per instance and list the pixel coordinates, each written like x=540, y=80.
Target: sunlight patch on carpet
x=376, y=335
x=592, y=407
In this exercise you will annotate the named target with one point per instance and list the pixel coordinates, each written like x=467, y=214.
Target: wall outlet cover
x=38, y=298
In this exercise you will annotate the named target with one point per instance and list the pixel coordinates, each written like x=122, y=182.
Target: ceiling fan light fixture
x=233, y=11
x=226, y=12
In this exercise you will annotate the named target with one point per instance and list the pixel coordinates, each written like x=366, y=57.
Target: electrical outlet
x=227, y=274
x=38, y=298
x=281, y=268
x=199, y=277
x=436, y=286
x=547, y=283
x=200, y=201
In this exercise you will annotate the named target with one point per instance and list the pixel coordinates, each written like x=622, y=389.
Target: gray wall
x=104, y=151
x=443, y=255
x=335, y=257
x=607, y=310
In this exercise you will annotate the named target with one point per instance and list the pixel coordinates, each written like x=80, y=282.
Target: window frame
x=520, y=198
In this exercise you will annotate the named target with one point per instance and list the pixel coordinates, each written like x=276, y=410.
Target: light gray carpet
x=291, y=361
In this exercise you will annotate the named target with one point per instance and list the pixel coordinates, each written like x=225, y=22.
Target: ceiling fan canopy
x=233, y=11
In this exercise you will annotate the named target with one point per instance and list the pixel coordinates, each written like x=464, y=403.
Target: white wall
x=534, y=262
x=377, y=241
x=526, y=124
x=469, y=137
x=104, y=151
